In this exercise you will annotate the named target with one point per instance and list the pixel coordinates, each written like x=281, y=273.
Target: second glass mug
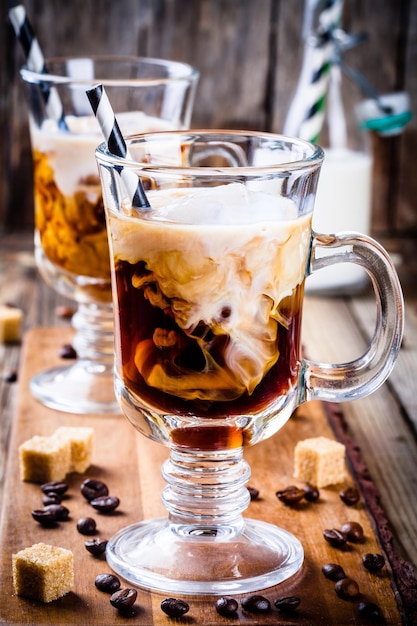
x=71, y=248
x=208, y=293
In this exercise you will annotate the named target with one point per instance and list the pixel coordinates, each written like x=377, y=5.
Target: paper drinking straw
x=329, y=20
x=36, y=62
x=116, y=144
x=306, y=116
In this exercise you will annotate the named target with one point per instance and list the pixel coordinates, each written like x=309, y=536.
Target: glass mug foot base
x=82, y=388
x=193, y=559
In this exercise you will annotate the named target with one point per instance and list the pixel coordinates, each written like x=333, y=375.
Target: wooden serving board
x=130, y=465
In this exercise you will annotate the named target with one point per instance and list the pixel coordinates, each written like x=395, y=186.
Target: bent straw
x=116, y=144
x=36, y=62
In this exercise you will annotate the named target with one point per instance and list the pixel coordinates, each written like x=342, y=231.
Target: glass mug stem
x=87, y=385
x=205, y=546
x=362, y=376
x=219, y=478
x=94, y=339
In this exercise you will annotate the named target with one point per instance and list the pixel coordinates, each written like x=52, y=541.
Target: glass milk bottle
x=344, y=193
x=323, y=111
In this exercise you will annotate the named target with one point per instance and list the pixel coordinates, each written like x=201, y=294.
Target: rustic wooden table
x=383, y=426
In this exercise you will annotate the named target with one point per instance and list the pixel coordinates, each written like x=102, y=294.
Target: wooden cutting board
x=130, y=465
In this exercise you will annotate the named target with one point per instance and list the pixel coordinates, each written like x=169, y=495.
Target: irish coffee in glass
x=208, y=287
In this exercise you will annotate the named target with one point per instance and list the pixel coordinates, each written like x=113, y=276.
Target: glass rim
x=181, y=71
x=313, y=160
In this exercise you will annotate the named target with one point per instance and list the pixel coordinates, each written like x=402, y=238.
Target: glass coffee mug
x=71, y=248
x=208, y=290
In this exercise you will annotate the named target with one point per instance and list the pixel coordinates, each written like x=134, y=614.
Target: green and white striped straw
x=306, y=115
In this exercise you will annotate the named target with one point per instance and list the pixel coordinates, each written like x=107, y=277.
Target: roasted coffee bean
x=44, y=517
x=173, y=607
x=333, y=571
x=60, y=512
x=254, y=493
x=124, y=598
x=55, y=487
x=353, y=532
x=256, y=604
x=226, y=607
x=96, y=547
x=109, y=583
x=68, y=352
x=287, y=604
x=105, y=504
x=86, y=526
x=349, y=496
x=65, y=312
x=51, y=498
x=335, y=537
x=50, y=514
x=311, y=493
x=290, y=495
x=373, y=562
x=10, y=376
x=369, y=610
x=92, y=488
x=347, y=588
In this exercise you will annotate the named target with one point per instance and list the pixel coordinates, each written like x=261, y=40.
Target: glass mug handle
x=360, y=377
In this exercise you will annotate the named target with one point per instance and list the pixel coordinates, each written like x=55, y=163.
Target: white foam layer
x=71, y=154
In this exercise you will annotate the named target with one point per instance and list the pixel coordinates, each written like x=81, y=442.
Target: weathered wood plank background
x=249, y=56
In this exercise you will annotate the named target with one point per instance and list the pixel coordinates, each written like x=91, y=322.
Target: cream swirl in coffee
x=218, y=268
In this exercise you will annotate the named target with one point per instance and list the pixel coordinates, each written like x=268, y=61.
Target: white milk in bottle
x=343, y=203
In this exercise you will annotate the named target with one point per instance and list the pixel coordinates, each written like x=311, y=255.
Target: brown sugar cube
x=319, y=461
x=10, y=323
x=81, y=440
x=43, y=459
x=43, y=572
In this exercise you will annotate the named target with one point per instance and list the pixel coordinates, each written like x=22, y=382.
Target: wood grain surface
x=130, y=465
x=249, y=56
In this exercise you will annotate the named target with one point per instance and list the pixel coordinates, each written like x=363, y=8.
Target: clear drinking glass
x=71, y=246
x=208, y=294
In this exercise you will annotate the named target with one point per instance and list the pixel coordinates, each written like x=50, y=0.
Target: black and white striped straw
x=36, y=62
x=116, y=144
